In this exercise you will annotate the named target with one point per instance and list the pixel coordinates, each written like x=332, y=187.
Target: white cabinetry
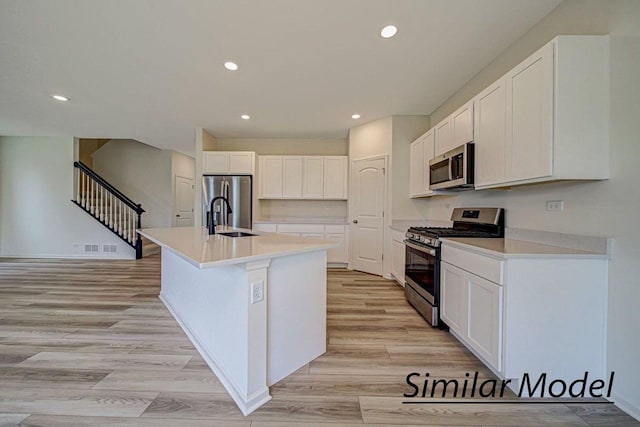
x=491, y=135
x=484, y=318
x=291, y=177
x=530, y=116
x=398, y=253
x=333, y=232
x=556, y=117
x=462, y=124
x=443, y=134
x=453, y=297
x=270, y=170
x=526, y=313
x=313, y=177
x=422, y=150
x=455, y=130
x=335, y=177
x=303, y=177
x=228, y=162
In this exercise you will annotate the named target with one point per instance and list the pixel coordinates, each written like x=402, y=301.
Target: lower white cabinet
x=333, y=232
x=527, y=313
x=398, y=253
x=484, y=318
x=453, y=300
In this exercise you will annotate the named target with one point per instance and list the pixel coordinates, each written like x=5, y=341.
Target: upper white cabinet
x=455, y=130
x=303, y=177
x=443, y=136
x=556, y=117
x=313, y=177
x=422, y=150
x=335, y=177
x=270, y=170
x=228, y=162
x=491, y=135
x=462, y=125
x=291, y=177
x=530, y=116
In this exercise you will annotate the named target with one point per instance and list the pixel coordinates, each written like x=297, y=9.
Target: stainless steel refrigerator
x=238, y=190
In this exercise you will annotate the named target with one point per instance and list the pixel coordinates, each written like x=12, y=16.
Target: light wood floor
x=87, y=343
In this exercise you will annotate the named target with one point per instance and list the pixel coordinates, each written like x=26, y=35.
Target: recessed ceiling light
x=245, y=117
x=355, y=116
x=60, y=98
x=389, y=31
x=231, y=66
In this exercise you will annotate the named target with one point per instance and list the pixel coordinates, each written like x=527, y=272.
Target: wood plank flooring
x=88, y=343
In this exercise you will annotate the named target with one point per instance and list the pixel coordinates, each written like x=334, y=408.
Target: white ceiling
x=152, y=70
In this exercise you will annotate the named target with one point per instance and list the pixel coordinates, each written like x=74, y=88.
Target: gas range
x=467, y=222
x=422, y=256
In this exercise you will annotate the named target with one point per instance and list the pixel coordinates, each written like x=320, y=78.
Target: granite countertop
x=196, y=246
x=511, y=248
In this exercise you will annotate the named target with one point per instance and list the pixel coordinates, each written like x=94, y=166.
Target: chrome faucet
x=212, y=221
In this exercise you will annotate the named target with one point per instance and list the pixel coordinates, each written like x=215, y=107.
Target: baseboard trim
x=627, y=407
x=246, y=404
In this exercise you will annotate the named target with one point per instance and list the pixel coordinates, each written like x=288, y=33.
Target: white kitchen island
x=254, y=307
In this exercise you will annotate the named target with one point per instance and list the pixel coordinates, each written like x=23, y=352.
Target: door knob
x=355, y=221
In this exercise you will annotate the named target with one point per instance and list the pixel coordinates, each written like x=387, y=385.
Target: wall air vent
x=109, y=249
x=91, y=248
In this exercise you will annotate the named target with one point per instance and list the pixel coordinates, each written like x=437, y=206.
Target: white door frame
x=174, y=208
x=386, y=215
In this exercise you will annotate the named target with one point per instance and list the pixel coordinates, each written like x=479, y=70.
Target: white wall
x=607, y=208
x=406, y=129
x=142, y=173
x=37, y=217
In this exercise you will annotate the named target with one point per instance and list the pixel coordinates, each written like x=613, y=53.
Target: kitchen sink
x=237, y=234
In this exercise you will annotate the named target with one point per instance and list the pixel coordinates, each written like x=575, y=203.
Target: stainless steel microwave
x=453, y=170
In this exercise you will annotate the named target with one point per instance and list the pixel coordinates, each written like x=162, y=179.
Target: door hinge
x=384, y=171
x=382, y=257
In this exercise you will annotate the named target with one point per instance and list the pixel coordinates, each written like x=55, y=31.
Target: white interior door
x=184, y=202
x=367, y=230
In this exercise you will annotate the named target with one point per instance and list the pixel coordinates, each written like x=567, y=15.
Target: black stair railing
x=108, y=205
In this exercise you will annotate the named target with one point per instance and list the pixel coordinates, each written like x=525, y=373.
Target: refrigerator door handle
x=226, y=210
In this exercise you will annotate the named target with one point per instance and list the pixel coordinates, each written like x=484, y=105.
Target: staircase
x=110, y=207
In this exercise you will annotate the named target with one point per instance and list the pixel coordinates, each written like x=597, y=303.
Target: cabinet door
x=397, y=261
x=484, y=314
x=270, y=177
x=338, y=254
x=241, y=162
x=429, y=153
x=292, y=178
x=530, y=116
x=313, y=177
x=462, y=123
x=454, y=296
x=335, y=177
x=417, y=167
x=444, y=136
x=491, y=135
x=215, y=162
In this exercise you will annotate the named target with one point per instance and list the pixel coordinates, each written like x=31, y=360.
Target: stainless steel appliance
x=453, y=170
x=238, y=190
x=422, y=261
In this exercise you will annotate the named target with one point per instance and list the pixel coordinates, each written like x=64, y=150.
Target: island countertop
x=195, y=245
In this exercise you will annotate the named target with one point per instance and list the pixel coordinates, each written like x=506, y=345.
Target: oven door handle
x=431, y=252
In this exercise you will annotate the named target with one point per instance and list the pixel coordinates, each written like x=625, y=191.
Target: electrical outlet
x=555, y=205
x=257, y=292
